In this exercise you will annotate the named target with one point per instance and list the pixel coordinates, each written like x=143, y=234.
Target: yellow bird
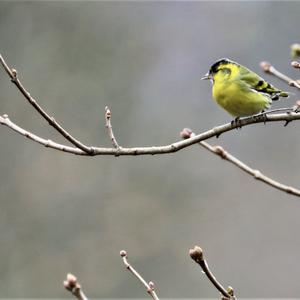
x=240, y=91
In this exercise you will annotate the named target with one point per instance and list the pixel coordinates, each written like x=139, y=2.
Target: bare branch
x=268, y=68
x=149, y=286
x=12, y=73
x=197, y=255
x=109, y=128
x=4, y=120
x=72, y=285
x=267, y=117
x=218, y=150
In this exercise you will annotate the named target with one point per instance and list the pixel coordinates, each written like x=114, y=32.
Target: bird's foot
x=236, y=122
x=261, y=116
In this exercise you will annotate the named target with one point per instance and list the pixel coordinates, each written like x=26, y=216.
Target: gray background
x=62, y=213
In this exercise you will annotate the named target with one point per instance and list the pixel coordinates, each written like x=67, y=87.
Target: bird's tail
x=279, y=94
x=284, y=94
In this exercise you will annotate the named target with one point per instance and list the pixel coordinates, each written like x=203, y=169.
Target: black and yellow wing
x=257, y=83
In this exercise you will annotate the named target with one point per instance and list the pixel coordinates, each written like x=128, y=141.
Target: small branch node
x=14, y=74
x=256, y=174
x=151, y=285
x=5, y=116
x=295, y=64
x=186, y=133
x=220, y=151
x=48, y=143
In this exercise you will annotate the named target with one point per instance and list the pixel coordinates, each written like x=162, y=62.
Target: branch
x=4, y=120
x=218, y=150
x=12, y=73
x=268, y=68
x=197, y=255
x=72, y=285
x=291, y=115
x=109, y=127
x=81, y=149
x=149, y=286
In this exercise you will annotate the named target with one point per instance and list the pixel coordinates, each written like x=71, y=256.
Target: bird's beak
x=206, y=76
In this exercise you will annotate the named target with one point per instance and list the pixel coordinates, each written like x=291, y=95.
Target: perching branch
x=153, y=150
x=81, y=149
x=218, y=150
x=197, y=255
x=149, y=286
x=72, y=285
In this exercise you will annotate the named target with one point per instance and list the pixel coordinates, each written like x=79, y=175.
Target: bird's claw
x=236, y=123
x=261, y=116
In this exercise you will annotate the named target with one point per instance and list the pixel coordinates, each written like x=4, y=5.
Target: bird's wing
x=257, y=83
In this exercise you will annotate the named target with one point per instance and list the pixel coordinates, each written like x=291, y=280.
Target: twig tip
x=107, y=112
x=266, y=66
x=196, y=254
x=123, y=253
x=71, y=282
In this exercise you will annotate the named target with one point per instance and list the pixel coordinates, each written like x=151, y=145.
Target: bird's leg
x=236, y=122
x=261, y=116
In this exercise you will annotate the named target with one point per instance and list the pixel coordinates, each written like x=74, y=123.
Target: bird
x=240, y=91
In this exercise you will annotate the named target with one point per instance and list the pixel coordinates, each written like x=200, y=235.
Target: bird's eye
x=226, y=71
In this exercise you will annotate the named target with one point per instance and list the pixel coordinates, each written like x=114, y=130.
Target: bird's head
x=222, y=69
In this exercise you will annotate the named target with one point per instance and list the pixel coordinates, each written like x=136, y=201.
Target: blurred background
x=62, y=213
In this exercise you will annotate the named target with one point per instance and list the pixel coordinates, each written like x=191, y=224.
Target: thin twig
x=4, y=120
x=268, y=68
x=197, y=255
x=218, y=150
x=109, y=128
x=149, y=286
x=12, y=73
x=155, y=150
x=72, y=285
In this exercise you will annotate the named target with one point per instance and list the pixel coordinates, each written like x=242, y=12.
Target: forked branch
x=13, y=74
x=287, y=115
x=154, y=150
